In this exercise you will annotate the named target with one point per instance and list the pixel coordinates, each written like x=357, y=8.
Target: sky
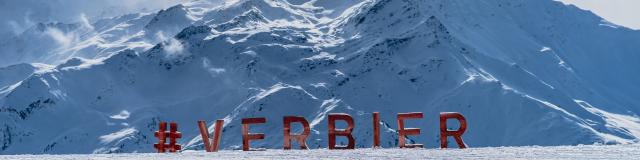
x=622, y=12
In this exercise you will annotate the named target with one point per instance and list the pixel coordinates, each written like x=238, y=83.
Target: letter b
x=333, y=132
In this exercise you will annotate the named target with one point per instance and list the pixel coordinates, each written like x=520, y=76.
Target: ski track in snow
x=531, y=152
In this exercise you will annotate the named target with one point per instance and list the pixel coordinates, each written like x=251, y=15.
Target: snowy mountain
x=53, y=43
x=522, y=72
x=12, y=75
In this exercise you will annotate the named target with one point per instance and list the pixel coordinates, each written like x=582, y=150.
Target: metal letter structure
x=457, y=134
x=301, y=138
x=376, y=130
x=403, y=132
x=204, y=132
x=246, y=136
x=173, y=135
x=333, y=132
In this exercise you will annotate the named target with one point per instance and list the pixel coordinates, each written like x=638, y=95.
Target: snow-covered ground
x=534, y=152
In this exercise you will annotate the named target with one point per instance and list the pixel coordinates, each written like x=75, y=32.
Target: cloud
x=64, y=39
x=171, y=46
x=15, y=27
x=85, y=21
x=206, y=64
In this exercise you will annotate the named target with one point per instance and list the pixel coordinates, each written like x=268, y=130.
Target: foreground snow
x=559, y=152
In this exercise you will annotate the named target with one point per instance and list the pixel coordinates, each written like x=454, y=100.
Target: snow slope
x=535, y=152
x=522, y=72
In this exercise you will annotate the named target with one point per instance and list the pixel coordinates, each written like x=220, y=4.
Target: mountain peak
x=170, y=20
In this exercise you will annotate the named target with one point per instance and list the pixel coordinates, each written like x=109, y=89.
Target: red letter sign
x=246, y=136
x=204, y=132
x=376, y=130
x=333, y=132
x=457, y=134
x=301, y=138
x=173, y=135
x=402, y=132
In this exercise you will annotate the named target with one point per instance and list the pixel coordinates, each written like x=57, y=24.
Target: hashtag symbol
x=162, y=134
